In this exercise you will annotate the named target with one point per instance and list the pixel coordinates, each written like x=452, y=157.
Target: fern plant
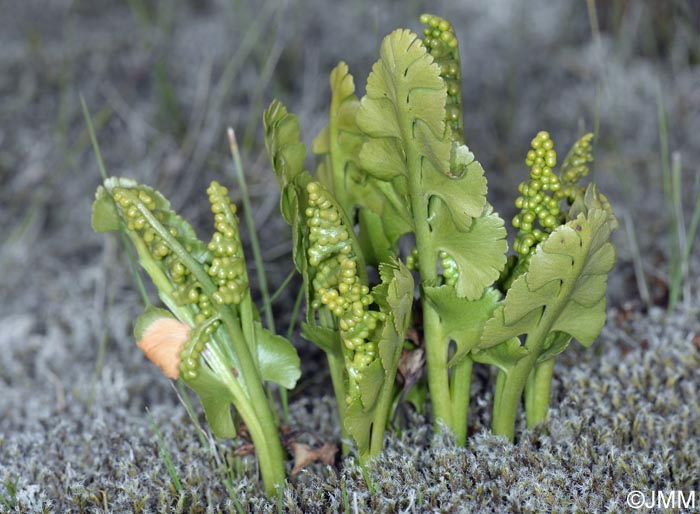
x=210, y=334
x=394, y=164
x=393, y=168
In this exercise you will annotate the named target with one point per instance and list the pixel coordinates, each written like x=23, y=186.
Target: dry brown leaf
x=411, y=366
x=305, y=455
x=244, y=449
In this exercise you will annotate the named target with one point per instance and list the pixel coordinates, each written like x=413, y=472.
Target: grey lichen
x=627, y=418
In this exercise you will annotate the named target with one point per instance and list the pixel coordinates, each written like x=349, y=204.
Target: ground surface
x=164, y=80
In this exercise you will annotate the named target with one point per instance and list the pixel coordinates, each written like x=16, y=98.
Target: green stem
x=509, y=392
x=134, y=268
x=284, y=399
x=249, y=370
x=436, y=353
x=258, y=419
x=538, y=392
x=383, y=408
x=459, y=397
x=336, y=365
x=155, y=271
x=283, y=286
x=498, y=393
x=436, y=362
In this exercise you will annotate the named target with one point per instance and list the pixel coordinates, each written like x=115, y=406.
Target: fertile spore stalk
x=209, y=336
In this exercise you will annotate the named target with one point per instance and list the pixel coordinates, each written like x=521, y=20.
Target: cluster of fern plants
x=403, y=260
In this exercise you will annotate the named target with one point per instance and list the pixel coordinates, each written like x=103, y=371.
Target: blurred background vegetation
x=163, y=79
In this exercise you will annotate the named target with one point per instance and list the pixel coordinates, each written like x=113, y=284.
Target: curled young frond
x=283, y=145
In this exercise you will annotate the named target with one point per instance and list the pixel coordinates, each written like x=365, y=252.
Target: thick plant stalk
x=336, y=366
x=337, y=372
x=514, y=380
x=383, y=409
x=436, y=362
x=538, y=392
x=509, y=394
x=256, y=414
x=460, y=386
x=435, y=352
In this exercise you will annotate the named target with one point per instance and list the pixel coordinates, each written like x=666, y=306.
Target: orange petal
x=162, y=343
